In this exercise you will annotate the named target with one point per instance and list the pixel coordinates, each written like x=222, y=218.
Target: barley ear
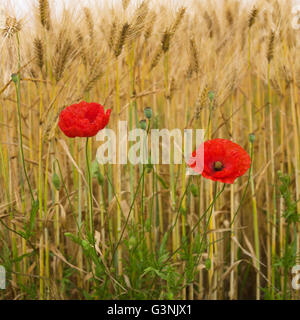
x=44, y=11
x=252, y=17
x=39, y=52
x=270, y=53
x=121, y=39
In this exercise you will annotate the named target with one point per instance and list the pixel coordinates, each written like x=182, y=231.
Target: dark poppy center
x=218, y=166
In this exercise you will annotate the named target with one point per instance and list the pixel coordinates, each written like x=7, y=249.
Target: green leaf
x=33, y=213
x=56, y=181
x=163, y=245
x=20, y=258
x=95, y=172
x=73, y=238
x=207, y=264
x=162, y=182
x=94, y=168
x=100, y=178
x=194, y=190
x=148, y=225
x=86, y=246
x=155, y=271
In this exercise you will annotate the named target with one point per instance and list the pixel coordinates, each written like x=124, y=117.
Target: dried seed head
x=156, y=57
x=201, y=102
x=298, y=78
x=270, y=53
x=10, y=27
x=165, y=42
x=121, y=39
x=89, y=22
x=229, y=17
x=209, y=23
x=82, y=50
x=172, y=88
x=44, y=11
x=64, y=53
x=194, y=54
x=197, y=111
x=92, y=81
x=189, y=72
x=111, y=39
x=252, y=17
x=149, y=29
x=125, y=4
x=39, y=52
x=179, y=17
x=276, y=87
x=139, y=19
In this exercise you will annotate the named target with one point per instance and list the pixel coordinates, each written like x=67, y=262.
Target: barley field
x=71, y=228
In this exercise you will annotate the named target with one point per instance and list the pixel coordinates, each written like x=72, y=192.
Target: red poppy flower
x=224, y=161
x=83, y=119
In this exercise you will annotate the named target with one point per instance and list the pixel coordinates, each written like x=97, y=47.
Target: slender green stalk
x=16, y=79
x=90, y=198
x=274, y=217
x=256, y=229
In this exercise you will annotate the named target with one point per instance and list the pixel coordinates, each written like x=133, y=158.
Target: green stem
x=209, y=118
x=16, y=80
x=255, y=223
x=90, y=187
x=128, y=216
x=247, y=185
x=200, y=219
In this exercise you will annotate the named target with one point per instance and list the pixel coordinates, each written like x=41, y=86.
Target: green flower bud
x=279, y=173
x=211, y=95
x=85, y=245
x=148, y=112
x=149, y=167
x=15, y=77
x=251, y=137
x=143, y=124
x=132, y=242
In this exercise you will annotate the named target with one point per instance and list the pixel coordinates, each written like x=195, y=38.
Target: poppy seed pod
x=148, y=112
x=15, y=77
x=211, y=95
x=251, y=137
x=143, y=124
